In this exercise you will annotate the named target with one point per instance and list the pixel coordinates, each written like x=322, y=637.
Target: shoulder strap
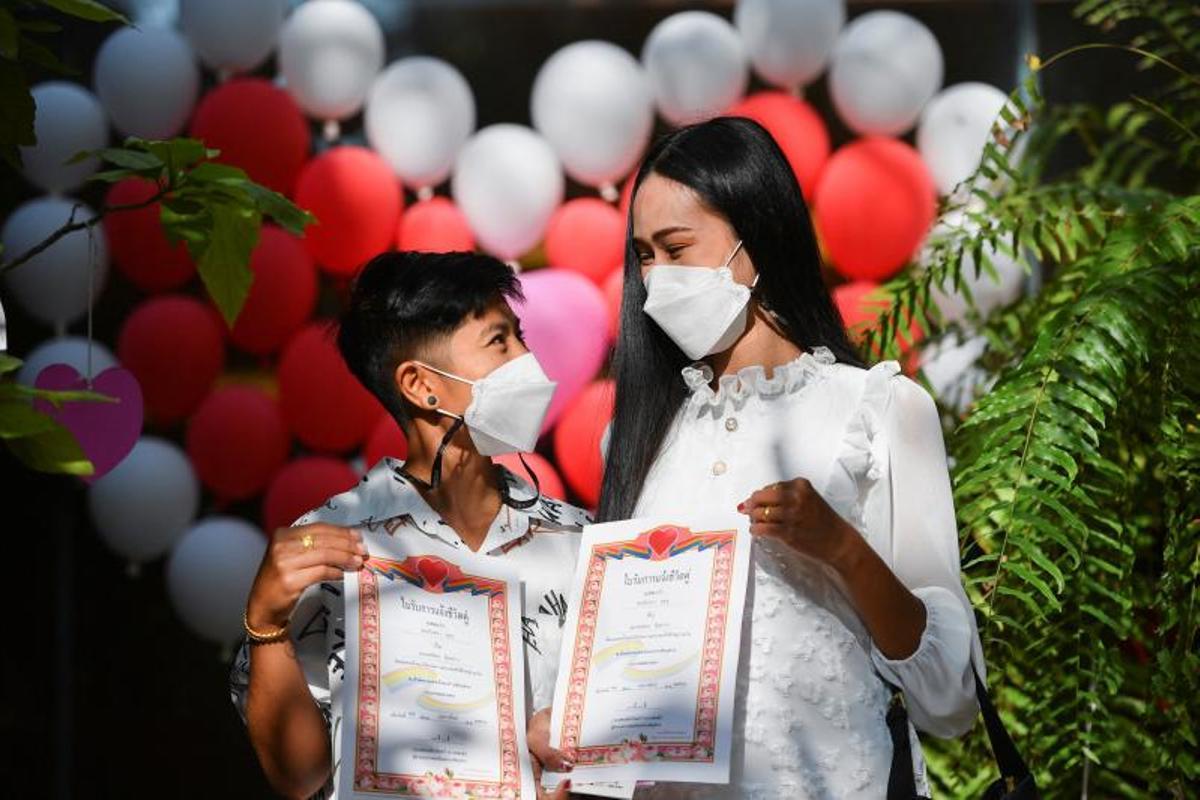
x=902, y=784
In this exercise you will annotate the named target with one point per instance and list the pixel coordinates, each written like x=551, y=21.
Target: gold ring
x=766, y=513
x=306, y=541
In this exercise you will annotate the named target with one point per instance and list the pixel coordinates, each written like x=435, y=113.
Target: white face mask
x=507, y=406
x=702, y=309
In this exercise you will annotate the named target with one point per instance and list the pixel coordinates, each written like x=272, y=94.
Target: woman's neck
x=467, y=496
x=762, y=344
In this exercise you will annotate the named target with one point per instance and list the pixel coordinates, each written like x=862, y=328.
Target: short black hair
x=402, y=301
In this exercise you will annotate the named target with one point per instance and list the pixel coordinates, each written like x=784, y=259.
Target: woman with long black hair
x=737, y=388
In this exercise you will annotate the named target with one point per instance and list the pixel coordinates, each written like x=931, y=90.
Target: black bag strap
x=901, y=782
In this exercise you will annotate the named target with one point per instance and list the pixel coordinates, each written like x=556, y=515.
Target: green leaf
x=224, y=262
x=10, y=36
x=286, y=214
x=52, y=450
x=86, y=9
x=16, y=122
x=9, y=363
x=19, y=418
x=138, y=160
x=178, y=154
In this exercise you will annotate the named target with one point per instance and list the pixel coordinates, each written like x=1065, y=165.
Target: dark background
x=106, y=694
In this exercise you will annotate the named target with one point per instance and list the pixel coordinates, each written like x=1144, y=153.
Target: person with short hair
x=424, y=333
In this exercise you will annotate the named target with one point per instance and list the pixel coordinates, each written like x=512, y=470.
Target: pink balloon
x=106, y=432
x=565, y=319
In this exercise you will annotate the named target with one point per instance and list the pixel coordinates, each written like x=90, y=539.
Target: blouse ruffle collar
x=753, y=379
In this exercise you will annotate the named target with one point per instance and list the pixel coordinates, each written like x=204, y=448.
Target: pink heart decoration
x=106, y=432
x=434, y=572
x=662, y=539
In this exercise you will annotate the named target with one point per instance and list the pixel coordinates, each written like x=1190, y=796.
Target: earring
x=431, y=400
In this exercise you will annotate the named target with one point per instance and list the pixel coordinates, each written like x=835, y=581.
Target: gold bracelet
x=263, y=638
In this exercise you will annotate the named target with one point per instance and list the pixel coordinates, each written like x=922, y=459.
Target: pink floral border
x=702, y=746
x=367, y=778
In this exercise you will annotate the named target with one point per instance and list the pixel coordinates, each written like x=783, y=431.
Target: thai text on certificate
x=649, y=662
x=434, y=678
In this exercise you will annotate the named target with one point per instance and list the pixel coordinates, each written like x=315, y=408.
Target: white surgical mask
x=702, y=309
x=507, y=406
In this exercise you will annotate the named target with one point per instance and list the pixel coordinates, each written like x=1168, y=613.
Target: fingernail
x=741, y=506
x=567, y=783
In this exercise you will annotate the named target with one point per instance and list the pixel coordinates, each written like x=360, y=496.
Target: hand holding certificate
x=434, y=679
x=649, y=659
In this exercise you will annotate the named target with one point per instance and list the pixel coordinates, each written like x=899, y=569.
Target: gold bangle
x=263, y=638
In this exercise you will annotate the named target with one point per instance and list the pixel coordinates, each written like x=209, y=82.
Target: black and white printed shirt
x=542, y=542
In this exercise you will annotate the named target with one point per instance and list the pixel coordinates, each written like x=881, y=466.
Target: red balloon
x=357, y=202
x=237, y=441
x=258, y=127
x=303, y=485
x=614, y=287
x=796, y=127
x=282, y=295
x=385, y=439
x=137, y=242
x=176, y=347
x=586, y=235
x=323, y=404
x=857, y=309
x=435, y=225
x=548, y=481
x=874, y=205
x=577, y=439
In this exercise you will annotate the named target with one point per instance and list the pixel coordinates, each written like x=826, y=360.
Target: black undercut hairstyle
x=403, y=302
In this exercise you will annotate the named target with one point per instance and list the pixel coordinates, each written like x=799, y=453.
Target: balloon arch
x=593, y=107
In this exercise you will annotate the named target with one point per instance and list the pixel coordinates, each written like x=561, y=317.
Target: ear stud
x=431, y=400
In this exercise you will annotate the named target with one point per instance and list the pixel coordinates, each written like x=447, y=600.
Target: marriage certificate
x=435, y=681
x=649, y=656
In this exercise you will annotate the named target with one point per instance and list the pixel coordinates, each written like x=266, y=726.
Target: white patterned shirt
x=541, y=542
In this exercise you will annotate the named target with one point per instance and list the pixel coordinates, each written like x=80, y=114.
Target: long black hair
x=737, y=170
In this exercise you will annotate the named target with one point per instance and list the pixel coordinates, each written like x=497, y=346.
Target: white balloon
x=53, y=285
x=232, y=36
x=987, y=293
x=420, y=112
x=72, y=350
x=885, y=67
x=209, y=575
x=69, y=119
x=955, y=126
x=146, y=502
x=147, y=79
x=789, y=41
x=508, y=182
x=950, y=366
x=697, y=66
x=329, y=53
x=592, y=102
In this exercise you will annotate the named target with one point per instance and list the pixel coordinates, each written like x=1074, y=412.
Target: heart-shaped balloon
x=432, y=571
x=662, y=539
x=565, y=321
x=106, y=432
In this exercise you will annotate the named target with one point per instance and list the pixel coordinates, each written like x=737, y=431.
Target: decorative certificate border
x=657, y=544
x=438, y=576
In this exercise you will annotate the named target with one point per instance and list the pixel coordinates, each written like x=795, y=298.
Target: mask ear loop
x=435, y=470
x=528, y=502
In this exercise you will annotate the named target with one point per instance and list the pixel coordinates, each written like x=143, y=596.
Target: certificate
x=649, y=658
x=435, y=689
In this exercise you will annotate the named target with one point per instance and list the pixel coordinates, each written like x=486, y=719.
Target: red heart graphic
x=662, y=539
x=432, y=571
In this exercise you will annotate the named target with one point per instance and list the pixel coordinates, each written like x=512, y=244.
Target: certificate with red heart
x=434, y=684
x=649, y=658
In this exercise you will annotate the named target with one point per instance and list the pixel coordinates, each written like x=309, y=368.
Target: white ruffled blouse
x=811, y=703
